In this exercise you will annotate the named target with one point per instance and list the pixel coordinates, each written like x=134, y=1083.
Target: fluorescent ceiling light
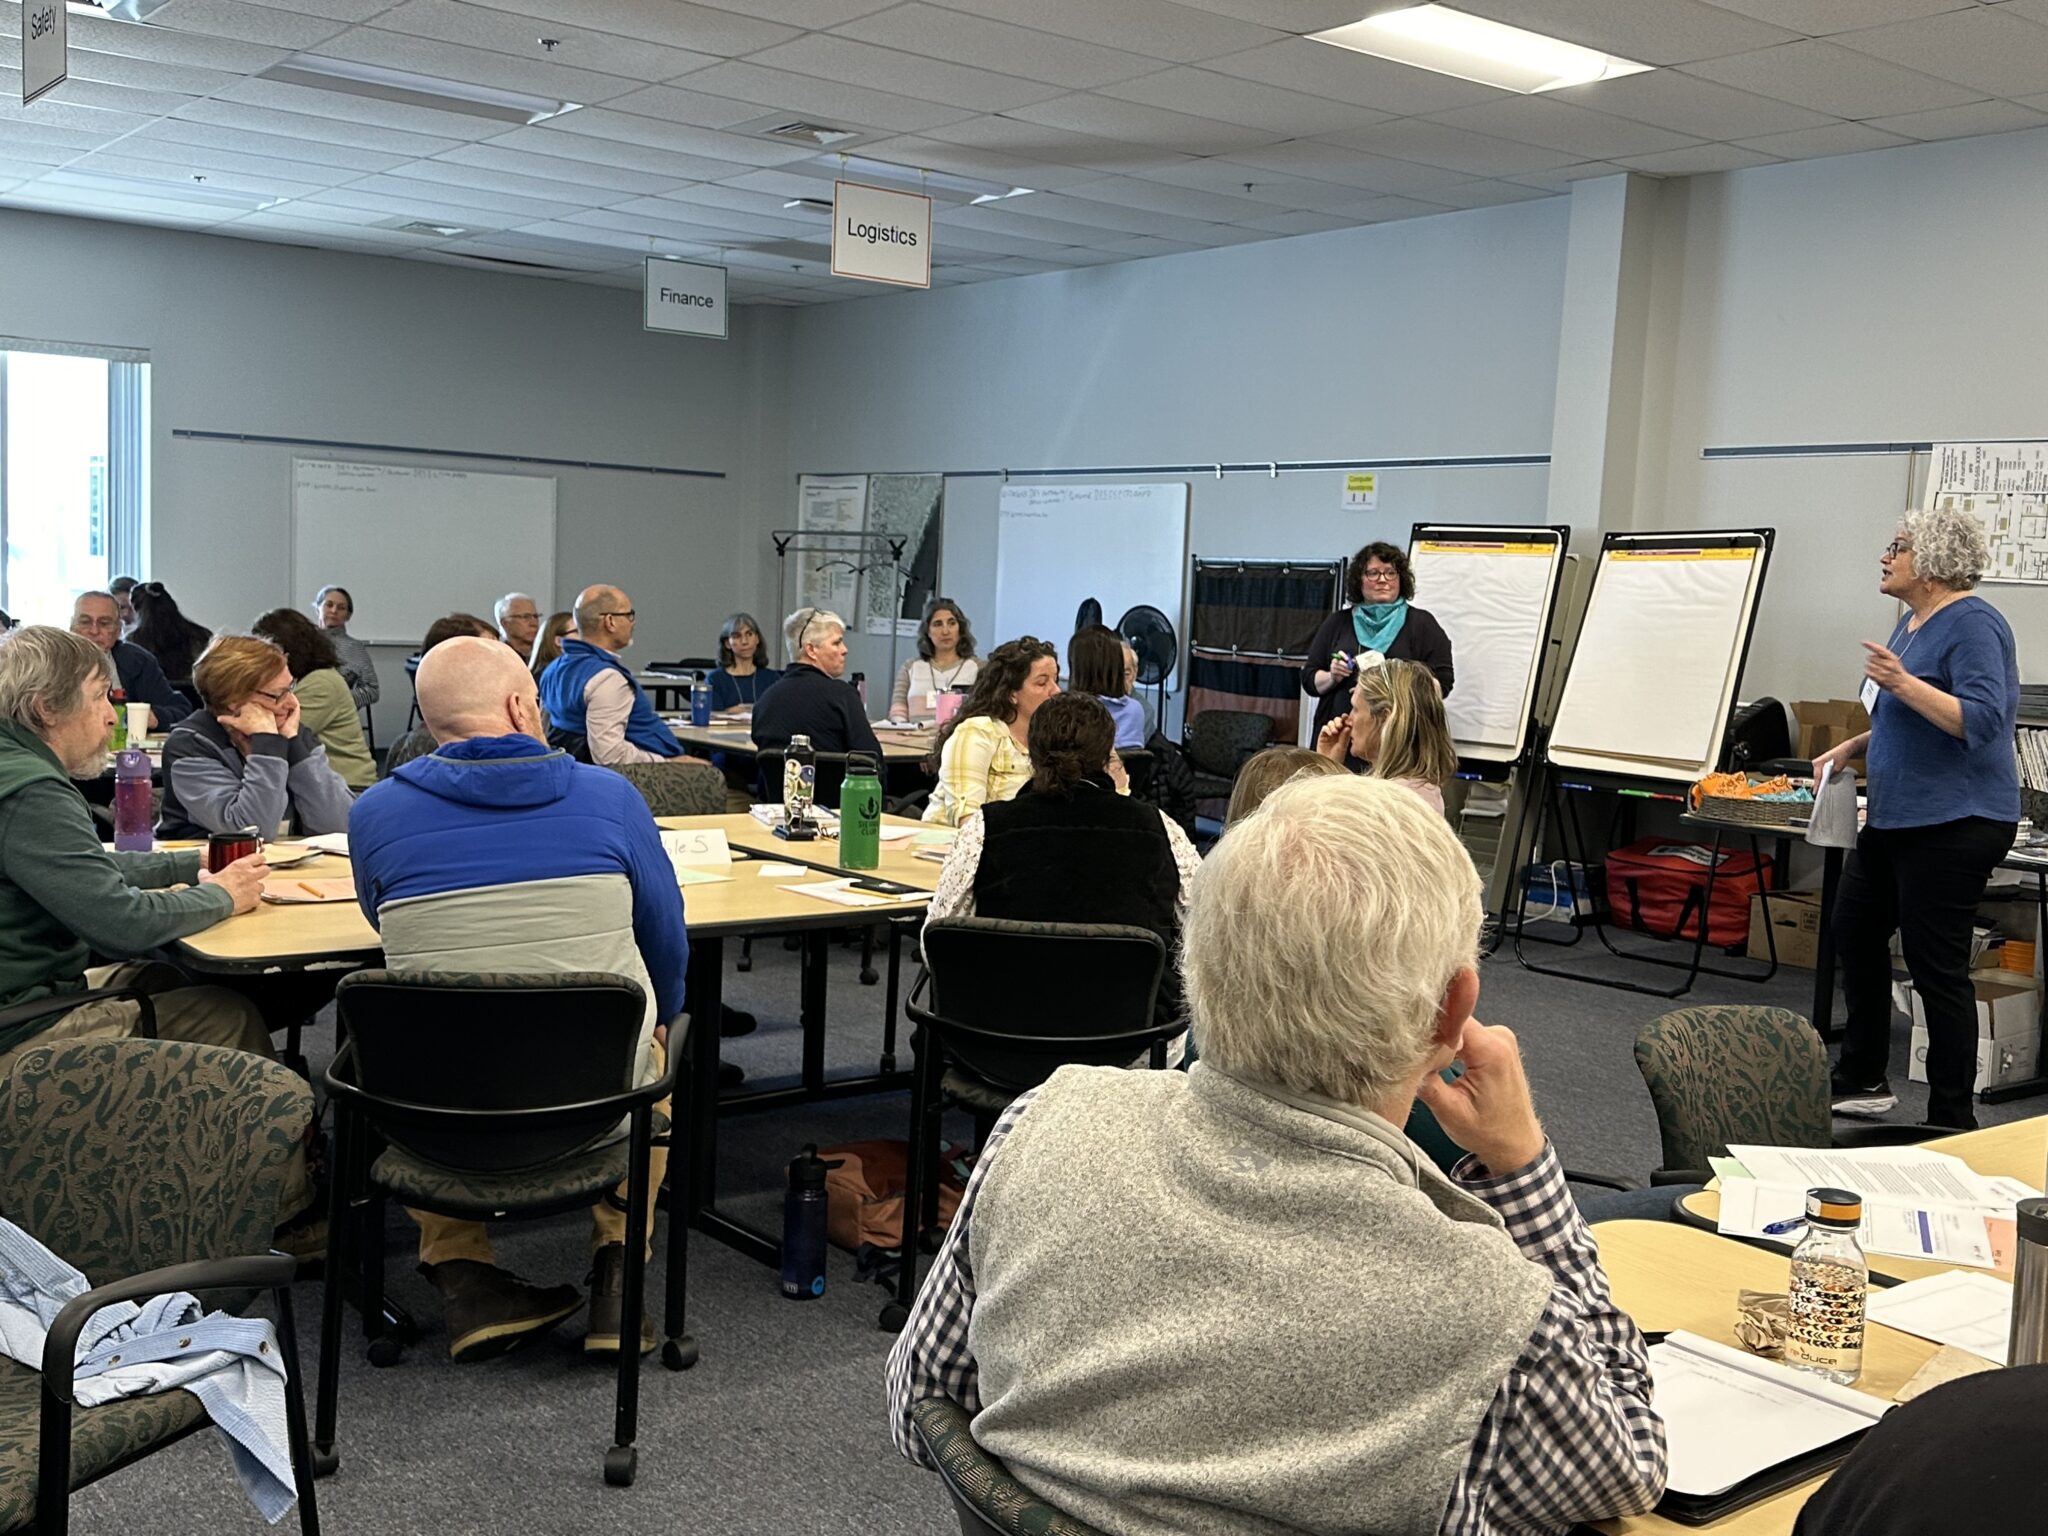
x=1435, y=37
x=966, y=189
x=379, y=83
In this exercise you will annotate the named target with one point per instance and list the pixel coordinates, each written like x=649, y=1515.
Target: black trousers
x=1925, y=883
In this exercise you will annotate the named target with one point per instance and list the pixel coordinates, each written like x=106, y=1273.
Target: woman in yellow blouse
x=983, y=753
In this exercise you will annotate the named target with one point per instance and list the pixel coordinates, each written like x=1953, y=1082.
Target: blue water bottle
x=803, y=1226
x=700, y=703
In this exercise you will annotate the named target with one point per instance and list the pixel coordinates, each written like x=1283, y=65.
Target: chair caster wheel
x=680, y=1353
x=384, y=1352
x=894, y=1316
x=326, y=1461
x=889, y=1062
x=869, y=978
x=744, y=963
x=620, y=1463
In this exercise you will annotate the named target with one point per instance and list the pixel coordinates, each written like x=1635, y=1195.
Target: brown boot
x=608, y=1303
x=489, y=1311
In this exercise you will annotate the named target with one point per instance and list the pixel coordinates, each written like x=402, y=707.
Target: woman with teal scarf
x=1381, y=623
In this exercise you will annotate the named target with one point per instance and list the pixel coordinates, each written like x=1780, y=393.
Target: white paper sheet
x=1972, y=1312
x=837, y=891
x=1492, y=598
x=1729, y=1415
x=1901, y=1174
x=773, y=871
x=328, y=842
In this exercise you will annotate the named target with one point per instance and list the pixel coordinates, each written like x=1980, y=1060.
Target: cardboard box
x=2008, y=1031
x=1795, y=921
x=1819, y=724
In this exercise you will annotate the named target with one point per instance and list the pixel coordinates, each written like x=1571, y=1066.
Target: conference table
x=898, y=746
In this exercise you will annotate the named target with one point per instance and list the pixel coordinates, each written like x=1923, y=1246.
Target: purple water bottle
x=134, y=803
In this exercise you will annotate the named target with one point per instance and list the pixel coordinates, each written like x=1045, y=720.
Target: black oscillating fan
x=1149, y=632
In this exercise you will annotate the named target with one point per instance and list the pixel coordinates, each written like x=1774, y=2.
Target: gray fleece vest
x=1202, y=1309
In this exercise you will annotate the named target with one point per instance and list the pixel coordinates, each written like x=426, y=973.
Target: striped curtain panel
x=1253, y=620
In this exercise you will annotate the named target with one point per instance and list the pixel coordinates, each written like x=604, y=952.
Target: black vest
x=1097, y=857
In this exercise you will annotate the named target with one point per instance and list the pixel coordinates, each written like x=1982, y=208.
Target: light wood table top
x=289, y=937
x=899, y=861
x=1669, y=1277
x=2015, y=1150
x=897, y=746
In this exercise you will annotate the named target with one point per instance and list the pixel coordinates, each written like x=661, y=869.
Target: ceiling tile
x=721, y=30
x=836, y=104
x=1352, y=168
x=44, y=146
x=1184, y=202
x=2035, y=11
x=146, y=74
x=476, y=25
x=930, y=32
x=474, y=66
x=710, y=197
x=1966, y=122
x=245, y=23
x=1072, y=209
x=1429, y=142
x=1835, y=80
x=329, y=130
x=1984, y=47
x=413, y=200
x=93, y=122
x=705, y=143
x=282, y=146
x=99, y=34
x=885, y=69
x=261, y=183
x=1300, y=223
x=1159, y=28
x=1819, y=18
x=547, y=168
x=1702, y=160
x=187, y=159
x=574, y=148
x=1813, y=143
x=345, y=107
x=1486, y=193
x=693, y=108
x=79, y=92
x=1229, y=99
x=1000, y=219
x=988, y=164
x=505, y=207
x=808, y=14
x=1036, y=141
x=1560, y=125
x=339, y=10
x=1284, y=15
x=1687, y=104
x=1561, y=179
x=103, y=202
x=1234, y=178
x=1321, y=70
x=1130, y=122
x=1648, y=31
x=726, y=229
x=477, y=182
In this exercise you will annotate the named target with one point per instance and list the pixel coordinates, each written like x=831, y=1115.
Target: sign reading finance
x=686, y=298
x=45, y=52
x=883, y=236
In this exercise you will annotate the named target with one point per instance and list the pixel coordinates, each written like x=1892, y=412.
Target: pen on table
x=1780, y=1228
x=308, y=889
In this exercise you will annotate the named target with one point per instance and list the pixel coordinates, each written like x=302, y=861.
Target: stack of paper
x=1917, y=1203
x=1972, y=1312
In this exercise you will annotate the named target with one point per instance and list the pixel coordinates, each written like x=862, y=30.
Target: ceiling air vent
x=816, y=135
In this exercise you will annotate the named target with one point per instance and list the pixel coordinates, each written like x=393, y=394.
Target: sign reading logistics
x=1361, y=492
x=45, y=50
x=883, y=236
x=684, y=297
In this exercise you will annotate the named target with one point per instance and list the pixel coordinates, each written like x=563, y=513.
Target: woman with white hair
x=813, y=699
x=1943, y=693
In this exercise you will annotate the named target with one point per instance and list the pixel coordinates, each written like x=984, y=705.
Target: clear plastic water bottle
x=804, y=1208
x=134, y=802
x=1830, y=1279
x=799, y=779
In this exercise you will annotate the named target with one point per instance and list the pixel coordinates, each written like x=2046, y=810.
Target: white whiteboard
x=1659, y=654
x=413, y=544
x=1491, y=590
x=1059, y=544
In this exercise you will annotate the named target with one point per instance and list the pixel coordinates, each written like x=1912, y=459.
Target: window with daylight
x=74, y=473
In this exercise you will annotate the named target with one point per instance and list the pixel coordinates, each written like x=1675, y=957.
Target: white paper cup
x=138, y=723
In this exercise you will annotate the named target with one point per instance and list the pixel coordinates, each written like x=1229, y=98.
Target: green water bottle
x=860, y=813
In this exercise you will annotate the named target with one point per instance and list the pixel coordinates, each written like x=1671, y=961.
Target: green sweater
x=64, y=899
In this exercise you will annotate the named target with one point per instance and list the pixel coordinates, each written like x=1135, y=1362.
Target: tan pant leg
x=448, y=1237
x=607, y=1223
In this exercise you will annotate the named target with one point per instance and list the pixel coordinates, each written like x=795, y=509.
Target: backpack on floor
x=864, y=1194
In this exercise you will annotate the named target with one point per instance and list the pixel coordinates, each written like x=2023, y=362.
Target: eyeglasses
x=276, y=698
x=82, y=623
x=616, y=613
x=1896, y=548
x=1382, y=575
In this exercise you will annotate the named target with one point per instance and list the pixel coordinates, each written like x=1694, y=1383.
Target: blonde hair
x=227, y=676
x=1415, y=741
x=1344, y=1006
x=1266, y=771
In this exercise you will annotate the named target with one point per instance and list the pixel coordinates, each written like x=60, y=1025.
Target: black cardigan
x=1421, y=639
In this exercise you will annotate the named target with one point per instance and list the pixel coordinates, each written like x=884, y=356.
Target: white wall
x=1424, y=338
x=1895, y=296
x=250, y=337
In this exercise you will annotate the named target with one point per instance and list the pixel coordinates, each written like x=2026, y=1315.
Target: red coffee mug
x=223, y=848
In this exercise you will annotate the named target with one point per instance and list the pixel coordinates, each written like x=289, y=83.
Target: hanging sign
x=684, y=297
x=1361, y=492
x=882, y=236
x=45, y=51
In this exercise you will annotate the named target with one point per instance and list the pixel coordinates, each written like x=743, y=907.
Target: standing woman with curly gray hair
x=1943, y=694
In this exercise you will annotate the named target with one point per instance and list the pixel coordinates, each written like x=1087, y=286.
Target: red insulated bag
x=1657, y=886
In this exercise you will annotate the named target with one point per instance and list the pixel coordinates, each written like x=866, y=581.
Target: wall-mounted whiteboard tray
x=411, y=543
x=1494, y=590
x=1659, y=656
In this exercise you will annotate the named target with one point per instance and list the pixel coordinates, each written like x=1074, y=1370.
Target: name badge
x=1869, y=694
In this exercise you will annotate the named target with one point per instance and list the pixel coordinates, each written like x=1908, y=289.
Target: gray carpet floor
x=781, y=1428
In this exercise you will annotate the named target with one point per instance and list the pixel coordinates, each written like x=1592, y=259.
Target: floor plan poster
x=829, y=569
x=906, y=506
x=2006, y=484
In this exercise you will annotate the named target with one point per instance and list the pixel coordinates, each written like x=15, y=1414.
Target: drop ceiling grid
x=1147, y=127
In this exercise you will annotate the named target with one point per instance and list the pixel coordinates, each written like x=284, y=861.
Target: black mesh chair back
x=1219, y=740
x=768, y=777
x=1013, y=1001
x=575, y=743
x=438, y=1058
x=1140, y=765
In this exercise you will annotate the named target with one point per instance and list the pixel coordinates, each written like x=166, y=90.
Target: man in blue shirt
x=497, y=853
x=96, y=616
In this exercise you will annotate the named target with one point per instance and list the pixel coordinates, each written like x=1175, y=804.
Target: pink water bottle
x=134, y=802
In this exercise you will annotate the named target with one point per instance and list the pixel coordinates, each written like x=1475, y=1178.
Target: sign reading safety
x=879, y=235
x=45, y=54
x=682, y=296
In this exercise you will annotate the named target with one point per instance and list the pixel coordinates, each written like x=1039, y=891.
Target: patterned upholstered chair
x=987, y=1499
x=1744, y=1075
x=151, y=1166
x=522, y=1129
x=1217, y=742
x=417, y=742
x=677, y=789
